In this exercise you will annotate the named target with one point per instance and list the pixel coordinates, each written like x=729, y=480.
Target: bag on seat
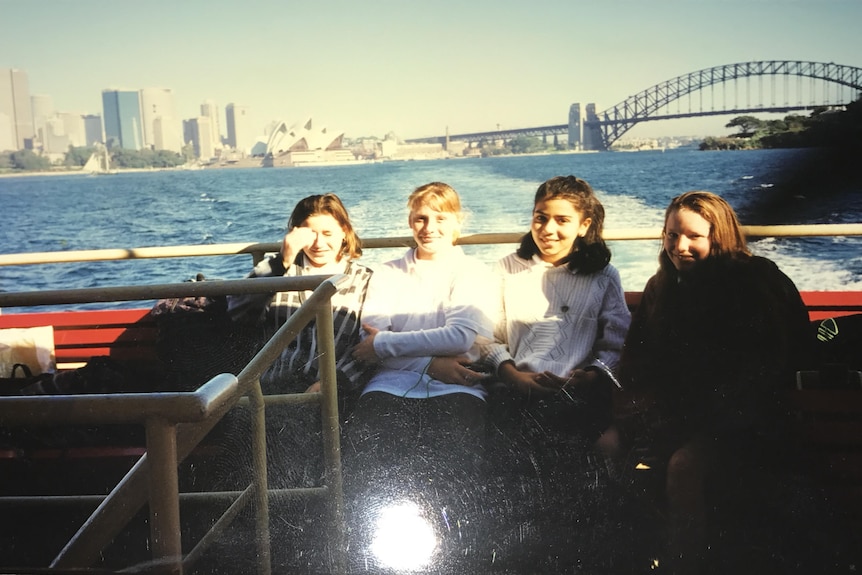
x=837, y=353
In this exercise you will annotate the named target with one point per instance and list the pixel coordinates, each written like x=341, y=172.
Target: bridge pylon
x=594, y=139
x=575, y=129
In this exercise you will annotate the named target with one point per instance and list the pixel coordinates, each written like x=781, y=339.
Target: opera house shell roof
x=299, y=137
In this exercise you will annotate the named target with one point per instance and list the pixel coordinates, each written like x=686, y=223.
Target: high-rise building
x=42, y=106
x=93, y=129
x=166, y=135
x=7, y=142
x=122, y=113
x=239, y=134
x=161, y=125
x=198, y=131
x=56, y=140
x=209, y=109
x=62, y=130
x=74, y=126
x=15, y=105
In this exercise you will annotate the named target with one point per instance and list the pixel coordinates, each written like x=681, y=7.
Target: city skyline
x=369, y=69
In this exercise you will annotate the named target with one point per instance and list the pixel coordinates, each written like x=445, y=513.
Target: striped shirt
x=297, y=367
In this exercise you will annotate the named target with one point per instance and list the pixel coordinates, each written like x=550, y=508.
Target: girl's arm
x=613, y=325
x=252, y=307
x=467, y=318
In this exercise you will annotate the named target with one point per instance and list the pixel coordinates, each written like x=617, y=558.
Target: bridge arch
x=604, y=128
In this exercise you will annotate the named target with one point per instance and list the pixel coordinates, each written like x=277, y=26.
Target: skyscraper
x=73, y=124
x=15, y=106
x=93, y=129
x=199, y=132
x=161, y=125
x=7, y=142
x=239, y=135
x=62, y=130
x=122, y=113
x=209, y=109
x=56, y=140
x=43, y=109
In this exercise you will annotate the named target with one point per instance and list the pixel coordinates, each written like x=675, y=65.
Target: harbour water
x=126, y=210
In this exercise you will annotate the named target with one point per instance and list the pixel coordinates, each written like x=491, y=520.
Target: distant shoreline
x=51, y=173
x=83, y=173
x=256, y=164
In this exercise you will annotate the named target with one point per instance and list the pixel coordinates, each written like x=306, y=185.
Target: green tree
x=28, y=160
x=77, y=156
x=492, y=149
x=167, y=159
x=747, y=125
x=712, y=143
x=795, y=122
x=526, y=145
x=188, y=152
x=773, y=126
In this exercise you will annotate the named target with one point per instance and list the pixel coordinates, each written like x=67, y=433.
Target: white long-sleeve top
x=554, y=319
x=426, y=308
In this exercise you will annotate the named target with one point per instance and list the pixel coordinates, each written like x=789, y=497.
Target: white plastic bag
x=32, y=346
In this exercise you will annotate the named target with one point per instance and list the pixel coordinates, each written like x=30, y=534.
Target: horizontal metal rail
x=158, y=291
x=118, y=408
x=257, y=250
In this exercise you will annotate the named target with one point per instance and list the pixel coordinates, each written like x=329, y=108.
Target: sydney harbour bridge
x=792, y=85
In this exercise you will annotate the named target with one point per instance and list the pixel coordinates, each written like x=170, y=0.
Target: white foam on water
x=810, y=273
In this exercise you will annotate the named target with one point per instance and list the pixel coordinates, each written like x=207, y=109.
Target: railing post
x=331, y=433
x=261, y=484
x=164, y=494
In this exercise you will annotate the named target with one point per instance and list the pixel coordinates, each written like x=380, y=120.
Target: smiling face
x=435, y=232
x=556, y=224
x=328, y=240
x=686, y=238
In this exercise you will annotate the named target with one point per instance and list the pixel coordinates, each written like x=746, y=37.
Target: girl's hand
x=296, y=240
x=556, y=383
x=454, y=370
x=364, y=350
x=313, y=388
x=524, y=381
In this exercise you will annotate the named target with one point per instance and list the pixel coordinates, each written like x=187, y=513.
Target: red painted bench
x=820, y=304
x=125, y=335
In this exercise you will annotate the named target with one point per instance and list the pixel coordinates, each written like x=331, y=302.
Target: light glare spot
x=403, y=539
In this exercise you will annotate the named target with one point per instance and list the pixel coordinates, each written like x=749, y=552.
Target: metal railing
x=176, y=423
x=258, y=250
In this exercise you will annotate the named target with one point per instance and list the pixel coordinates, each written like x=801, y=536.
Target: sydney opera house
x=301, y=144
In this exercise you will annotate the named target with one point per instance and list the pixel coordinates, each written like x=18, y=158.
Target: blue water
x=126, y=210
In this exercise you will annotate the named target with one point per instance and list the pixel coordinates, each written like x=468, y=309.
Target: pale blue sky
x=367, y=68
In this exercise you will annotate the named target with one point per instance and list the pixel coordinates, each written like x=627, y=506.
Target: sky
x=414, y=68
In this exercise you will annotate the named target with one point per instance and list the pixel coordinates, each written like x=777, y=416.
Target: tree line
x=77, y=156
x=823, y=127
